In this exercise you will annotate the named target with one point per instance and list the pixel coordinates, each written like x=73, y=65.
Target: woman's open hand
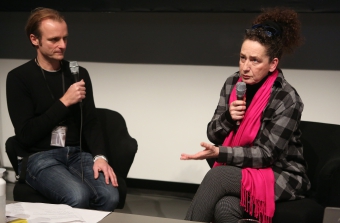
x=210, y=151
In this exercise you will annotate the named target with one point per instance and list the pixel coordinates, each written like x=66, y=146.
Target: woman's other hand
x=210, y=151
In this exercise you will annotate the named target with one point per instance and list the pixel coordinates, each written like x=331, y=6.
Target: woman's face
x=254, y=63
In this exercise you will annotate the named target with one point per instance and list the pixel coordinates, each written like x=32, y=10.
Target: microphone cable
x=75, y=72
x=80, y=141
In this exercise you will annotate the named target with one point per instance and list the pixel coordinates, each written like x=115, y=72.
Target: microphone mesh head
x=74, y=67
x=241, y=89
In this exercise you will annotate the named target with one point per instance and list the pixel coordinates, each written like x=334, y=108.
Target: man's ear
x=34, y=40
x=273, y=64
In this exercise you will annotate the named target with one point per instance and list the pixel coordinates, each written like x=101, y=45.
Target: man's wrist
x=99, y=157
x=64, y=102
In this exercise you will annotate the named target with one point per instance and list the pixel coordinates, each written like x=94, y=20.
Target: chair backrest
x=121, y=146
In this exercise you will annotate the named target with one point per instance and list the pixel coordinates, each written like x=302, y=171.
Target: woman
x=257, y=147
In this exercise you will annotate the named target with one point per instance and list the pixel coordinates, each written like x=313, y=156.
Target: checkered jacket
x=277, y=144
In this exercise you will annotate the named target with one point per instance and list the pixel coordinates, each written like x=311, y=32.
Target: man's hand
x=210, y=151
x=102, y=165
x=74, y=94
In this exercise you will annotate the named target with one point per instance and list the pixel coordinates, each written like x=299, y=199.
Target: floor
x=146, y=202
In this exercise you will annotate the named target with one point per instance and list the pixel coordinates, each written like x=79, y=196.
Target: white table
x=131, y=218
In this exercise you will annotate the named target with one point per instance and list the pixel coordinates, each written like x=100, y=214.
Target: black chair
x=121, y=150
x=321, y=149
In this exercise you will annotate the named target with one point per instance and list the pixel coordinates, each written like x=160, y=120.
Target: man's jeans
x=57, y=174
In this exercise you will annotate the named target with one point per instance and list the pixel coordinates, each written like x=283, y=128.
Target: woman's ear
x=273, y=64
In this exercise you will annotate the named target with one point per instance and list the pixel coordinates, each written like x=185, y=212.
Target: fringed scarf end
x=254, y=207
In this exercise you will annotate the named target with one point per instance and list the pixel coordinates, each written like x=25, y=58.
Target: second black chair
x=121, y=150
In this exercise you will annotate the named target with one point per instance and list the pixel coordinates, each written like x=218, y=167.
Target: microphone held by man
x=79, y=87
x=74, y=70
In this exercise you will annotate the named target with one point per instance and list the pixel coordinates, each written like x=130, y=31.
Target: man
x=52, y=115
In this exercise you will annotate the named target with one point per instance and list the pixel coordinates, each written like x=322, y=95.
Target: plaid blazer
x=277, y=144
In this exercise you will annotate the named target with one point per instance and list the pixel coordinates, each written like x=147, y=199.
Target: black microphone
x=74, y=70
x=240, y=92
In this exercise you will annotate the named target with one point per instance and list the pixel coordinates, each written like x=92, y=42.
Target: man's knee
x=78, y=198
x=108, y=199
x=113, y=201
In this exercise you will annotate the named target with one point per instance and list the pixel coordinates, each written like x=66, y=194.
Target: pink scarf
x=257, y=185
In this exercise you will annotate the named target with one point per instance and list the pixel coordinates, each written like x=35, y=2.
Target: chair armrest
x=122, y=154
x=10, y=145
x=129, y=148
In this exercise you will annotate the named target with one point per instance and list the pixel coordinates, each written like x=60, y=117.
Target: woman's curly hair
x=289, y=37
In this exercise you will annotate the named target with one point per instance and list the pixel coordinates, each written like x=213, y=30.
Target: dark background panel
x=192, y=38
x=171, y=5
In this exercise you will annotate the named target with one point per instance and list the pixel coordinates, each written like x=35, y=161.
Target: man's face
x=254, y=64
x=52, y=43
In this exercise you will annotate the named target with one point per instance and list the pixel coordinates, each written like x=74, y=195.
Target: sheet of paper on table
x=54, y=213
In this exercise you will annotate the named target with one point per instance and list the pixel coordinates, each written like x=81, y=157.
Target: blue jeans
x=57, y=175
